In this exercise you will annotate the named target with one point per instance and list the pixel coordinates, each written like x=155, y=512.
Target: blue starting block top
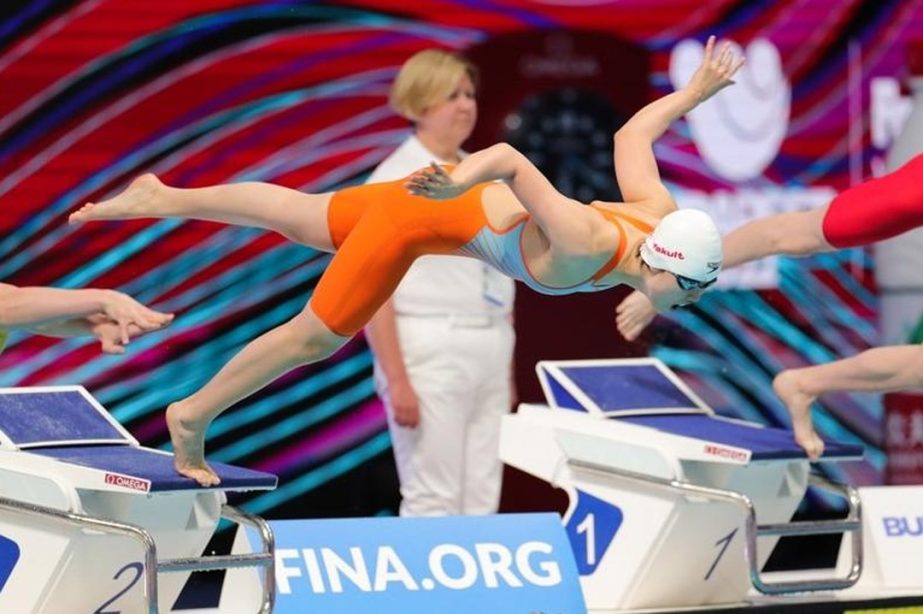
x=763, y=443
x=68, y=415
x=154, y=467
x=645, y=392
x=617, y=387
x=66, y=423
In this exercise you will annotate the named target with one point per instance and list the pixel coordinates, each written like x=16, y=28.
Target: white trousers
x=460, y=370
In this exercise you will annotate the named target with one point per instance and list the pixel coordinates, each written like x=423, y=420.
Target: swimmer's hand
x=433, y=182
x=633, y=315
x=716, y=72
x=126, y=311
x=109, y=333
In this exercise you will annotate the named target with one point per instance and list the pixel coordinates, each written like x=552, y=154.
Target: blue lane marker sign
x=591, y=528
x=9, y=556
x=508, y=563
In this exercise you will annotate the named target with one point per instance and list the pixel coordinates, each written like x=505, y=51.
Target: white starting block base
x=670, y=505
x=88, y=517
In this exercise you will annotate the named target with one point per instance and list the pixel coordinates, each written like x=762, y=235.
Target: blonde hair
x=427, y=78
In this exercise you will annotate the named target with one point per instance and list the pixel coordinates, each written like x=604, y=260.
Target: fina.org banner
x=508, y=563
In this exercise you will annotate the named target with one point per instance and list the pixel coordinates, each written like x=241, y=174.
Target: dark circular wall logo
x=567, y=134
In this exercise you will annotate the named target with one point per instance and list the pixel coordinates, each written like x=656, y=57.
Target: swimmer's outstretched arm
x=635, y=165
x=794, y=234
x=562, y=219
x=37, y=307
x=786, y=233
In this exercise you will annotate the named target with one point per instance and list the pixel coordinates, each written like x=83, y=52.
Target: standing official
x=443, y=344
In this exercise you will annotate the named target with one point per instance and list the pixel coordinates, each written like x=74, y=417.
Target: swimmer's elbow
x=628, y=133
x=508, y=160
x=503, y=150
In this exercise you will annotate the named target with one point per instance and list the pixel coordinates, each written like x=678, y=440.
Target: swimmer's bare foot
x=798, y=402
x=138, y=200
x=188, y=440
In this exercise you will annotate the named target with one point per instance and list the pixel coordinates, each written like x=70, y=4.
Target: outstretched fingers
x=709, y=48
x=725, y=56
x=419, y=185
x=111, y=347
x=727, y=63
x=736, y=65
x=633, y=315
x=438, y=172
x=147, y=319
x=124, y=335
x=428, y=181
x=138, y=320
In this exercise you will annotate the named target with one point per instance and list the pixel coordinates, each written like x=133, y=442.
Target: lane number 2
x=138, y=569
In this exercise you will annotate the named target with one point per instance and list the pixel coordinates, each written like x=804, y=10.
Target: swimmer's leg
x=361, y=276
x=298, y=216
x=302, y=340
x=877, y=370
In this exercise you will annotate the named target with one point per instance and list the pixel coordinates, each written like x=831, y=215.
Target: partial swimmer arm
x=106, y=331
x=32, y=306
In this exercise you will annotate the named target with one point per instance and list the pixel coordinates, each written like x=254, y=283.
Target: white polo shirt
x=443, y=285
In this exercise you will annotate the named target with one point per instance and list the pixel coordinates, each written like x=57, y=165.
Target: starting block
x=670, y=505
x=90, y=521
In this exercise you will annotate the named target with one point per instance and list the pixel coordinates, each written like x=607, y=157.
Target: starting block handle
x=265, y=559
x=852, y=524
x=104, y=526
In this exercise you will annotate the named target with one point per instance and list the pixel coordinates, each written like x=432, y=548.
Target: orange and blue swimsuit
x=503, y=250
x=380, y=229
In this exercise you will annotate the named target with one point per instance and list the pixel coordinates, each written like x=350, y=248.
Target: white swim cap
x=687, y=243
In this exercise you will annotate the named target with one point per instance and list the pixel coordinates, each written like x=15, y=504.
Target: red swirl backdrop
x=97, y=91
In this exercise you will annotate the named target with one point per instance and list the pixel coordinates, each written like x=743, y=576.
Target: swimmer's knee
x=313, y=339
x=312, y=345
